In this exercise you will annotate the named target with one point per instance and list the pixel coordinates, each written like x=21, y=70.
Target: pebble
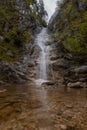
x=69, y=106
x=63, y=127
x=2, y=91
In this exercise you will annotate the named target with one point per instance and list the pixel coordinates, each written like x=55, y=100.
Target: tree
x=42, y=11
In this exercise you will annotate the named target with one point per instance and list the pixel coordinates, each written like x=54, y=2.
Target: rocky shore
x=51, y=106
x=21, y=71
x=73, y=73
x=66, y=70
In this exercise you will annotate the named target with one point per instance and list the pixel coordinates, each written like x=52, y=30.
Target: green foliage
x=15, y=42
x=85, y=16
x=68, y=9
x=71, y=26
x=72, y=45
x=15, y=30
x=43, y=22
x=83, y=29
x=84, y=1
x=17, y=37
x=3, y=14
x=56, y=37
x=4, y=48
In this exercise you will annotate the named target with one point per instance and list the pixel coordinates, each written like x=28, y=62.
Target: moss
x=71, y=27
x=4, y=47
x=68, y=9
x=84, y=1
x=83, y=28
x=43, y=22
x=14, y=30
x=15, y=41
x=74, y=45
x=85, y=16
x=17, y=37
x=57, y=37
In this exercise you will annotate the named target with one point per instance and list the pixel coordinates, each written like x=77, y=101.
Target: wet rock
x=63, y=127
x=31, y=63
x=17, y=72
x=77, y=85
x=1, y=38
x=60, y=63
x=69, y=106
x=54, y=57
x=1, y=82
x=82, y=80
x=2, y=91
x=81, y=69
x=48, y=83
x=10, y=74
x=38, y=29
x=35, y=51
x=18, y=110
x=9, y=53
x=68, y=56
x=71, y=127
x=67, y=114
x=22, y=75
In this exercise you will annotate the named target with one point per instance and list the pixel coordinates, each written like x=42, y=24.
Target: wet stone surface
x=32, y=107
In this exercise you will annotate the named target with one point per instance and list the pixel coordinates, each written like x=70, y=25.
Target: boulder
x=31, y=63
x=68, y=56
x=1, y=38
x=48, y=83
x=54, y=57
x=1, y=82
x=63, y=127
x=77, y=85
x=2, y=91
x=60, y=63
x=81, y=69
x=10, y=74
x=9, y=53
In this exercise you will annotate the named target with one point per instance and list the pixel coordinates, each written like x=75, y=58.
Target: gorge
x=43, y=67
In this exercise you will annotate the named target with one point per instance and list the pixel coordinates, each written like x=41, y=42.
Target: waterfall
x=44, y=60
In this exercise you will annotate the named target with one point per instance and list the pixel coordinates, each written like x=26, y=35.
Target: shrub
x=17, y=37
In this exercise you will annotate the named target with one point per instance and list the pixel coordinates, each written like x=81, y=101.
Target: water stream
x=44, y=58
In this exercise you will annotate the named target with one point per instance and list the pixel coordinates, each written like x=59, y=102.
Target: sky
x=50, y=6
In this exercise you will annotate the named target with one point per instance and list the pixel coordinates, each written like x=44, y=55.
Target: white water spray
x=44, y=60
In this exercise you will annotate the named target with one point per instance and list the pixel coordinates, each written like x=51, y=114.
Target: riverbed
x=31, y=107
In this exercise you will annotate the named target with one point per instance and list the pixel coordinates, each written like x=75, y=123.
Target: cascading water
x=44, y=60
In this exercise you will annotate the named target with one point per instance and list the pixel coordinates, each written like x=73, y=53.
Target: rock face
x=77, y=85
x=9, y=53
x=69, y=54
x=60, y=63
x=65, y=69
x=22, y=70
x=17, y=57
x=81, y=69
x=48, y=83
x=67, y=31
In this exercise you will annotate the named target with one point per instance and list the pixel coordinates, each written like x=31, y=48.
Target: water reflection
x=38, y=107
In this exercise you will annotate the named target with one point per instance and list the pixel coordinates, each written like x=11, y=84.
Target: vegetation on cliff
x=18, y=20
x=69, y=25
